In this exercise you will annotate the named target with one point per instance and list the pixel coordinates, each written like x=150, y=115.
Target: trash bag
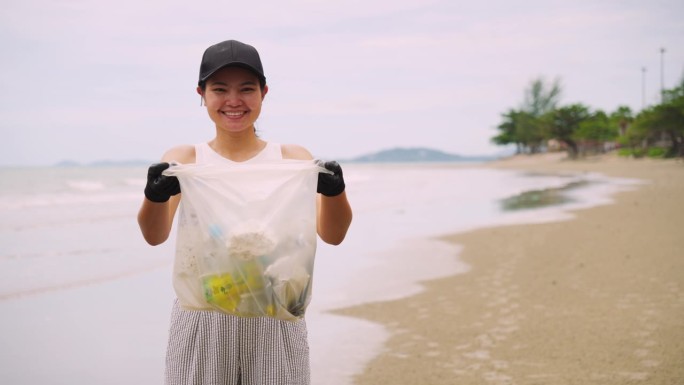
x=246, y=237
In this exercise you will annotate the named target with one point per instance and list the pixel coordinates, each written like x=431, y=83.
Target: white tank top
x=188, y=288
x=206, y=154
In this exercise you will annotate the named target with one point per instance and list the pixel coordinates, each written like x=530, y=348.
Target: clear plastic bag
x=246, y=237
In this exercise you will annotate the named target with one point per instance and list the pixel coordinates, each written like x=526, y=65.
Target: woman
x=207, y=347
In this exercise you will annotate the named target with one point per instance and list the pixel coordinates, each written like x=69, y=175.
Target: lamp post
x=662, y=74
x=643, y=87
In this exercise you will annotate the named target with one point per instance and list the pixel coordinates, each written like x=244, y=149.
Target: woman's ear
x=264, y=92
x=201, y=94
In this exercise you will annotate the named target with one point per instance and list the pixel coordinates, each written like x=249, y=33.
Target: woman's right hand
x=160, y=187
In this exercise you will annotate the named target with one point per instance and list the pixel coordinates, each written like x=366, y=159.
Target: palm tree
x=540, y=97
x=622, y=118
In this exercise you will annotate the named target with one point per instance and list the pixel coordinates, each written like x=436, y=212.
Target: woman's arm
x=334, y=213
x=334, y=218
x=156, y=218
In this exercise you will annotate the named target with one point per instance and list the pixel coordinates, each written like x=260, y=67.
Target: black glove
x=160, y=187
x=330, y=185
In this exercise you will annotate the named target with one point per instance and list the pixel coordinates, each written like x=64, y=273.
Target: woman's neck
x=238, y=147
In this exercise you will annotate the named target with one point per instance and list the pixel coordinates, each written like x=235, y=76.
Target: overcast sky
x=115, y=80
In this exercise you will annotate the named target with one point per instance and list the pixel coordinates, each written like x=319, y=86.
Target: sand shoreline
x=598, y=299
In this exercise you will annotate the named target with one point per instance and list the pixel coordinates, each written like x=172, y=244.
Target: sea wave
x=19, y=202
x=86, y=186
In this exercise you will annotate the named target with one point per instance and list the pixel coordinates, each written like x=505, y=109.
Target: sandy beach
x=598, y=299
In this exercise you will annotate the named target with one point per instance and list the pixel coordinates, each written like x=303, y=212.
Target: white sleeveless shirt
x=186, y=285
x=206, y=154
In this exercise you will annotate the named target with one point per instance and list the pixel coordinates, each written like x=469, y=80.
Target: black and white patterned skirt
x=207, y=347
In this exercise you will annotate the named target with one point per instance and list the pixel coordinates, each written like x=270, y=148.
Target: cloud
x=384, y=72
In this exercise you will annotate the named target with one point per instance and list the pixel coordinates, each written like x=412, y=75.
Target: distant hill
x=416, y=154
x=394, y=155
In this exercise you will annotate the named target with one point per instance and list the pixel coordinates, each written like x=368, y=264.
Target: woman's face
x=233, y=98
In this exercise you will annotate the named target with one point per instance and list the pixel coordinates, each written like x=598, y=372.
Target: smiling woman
x=232, y=85
x=233, y=99
x=223, y=347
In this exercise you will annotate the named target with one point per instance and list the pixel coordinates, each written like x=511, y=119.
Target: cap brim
x=246, y=66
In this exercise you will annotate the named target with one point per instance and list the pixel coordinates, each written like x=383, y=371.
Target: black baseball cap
x=230, y=53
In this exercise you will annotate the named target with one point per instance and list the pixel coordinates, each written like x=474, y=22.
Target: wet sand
x=598, y=299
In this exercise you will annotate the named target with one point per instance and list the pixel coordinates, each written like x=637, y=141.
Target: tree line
x=540, y=124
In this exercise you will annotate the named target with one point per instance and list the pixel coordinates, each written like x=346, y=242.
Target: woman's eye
x=248, y=89
x=219, y=90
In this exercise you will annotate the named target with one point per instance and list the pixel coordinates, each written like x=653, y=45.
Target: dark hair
x=262, y=85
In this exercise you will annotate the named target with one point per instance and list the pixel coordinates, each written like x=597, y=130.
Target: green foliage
x=656, y=131
x=540, y=97
x=663, y=123
x=625, y=152
x=507, y=128
x=621, y=119
x=529, y=130
x=597, y=127
x=563, y=124
x=525, y=127
x=632, y=152
x=521, y=128
x=657, y=152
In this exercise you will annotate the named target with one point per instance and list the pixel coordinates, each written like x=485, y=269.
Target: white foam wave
x=135, y=182
x=86, y=186
x=65, y=199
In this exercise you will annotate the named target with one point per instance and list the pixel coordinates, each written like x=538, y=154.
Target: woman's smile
x=234, y=114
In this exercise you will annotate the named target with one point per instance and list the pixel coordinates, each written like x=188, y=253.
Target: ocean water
x=85, y=300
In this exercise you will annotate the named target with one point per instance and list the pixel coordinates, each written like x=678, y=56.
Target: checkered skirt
x=207, y=347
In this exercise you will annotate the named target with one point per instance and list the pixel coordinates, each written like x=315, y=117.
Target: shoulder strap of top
x=202, y=152
x=272, y=151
